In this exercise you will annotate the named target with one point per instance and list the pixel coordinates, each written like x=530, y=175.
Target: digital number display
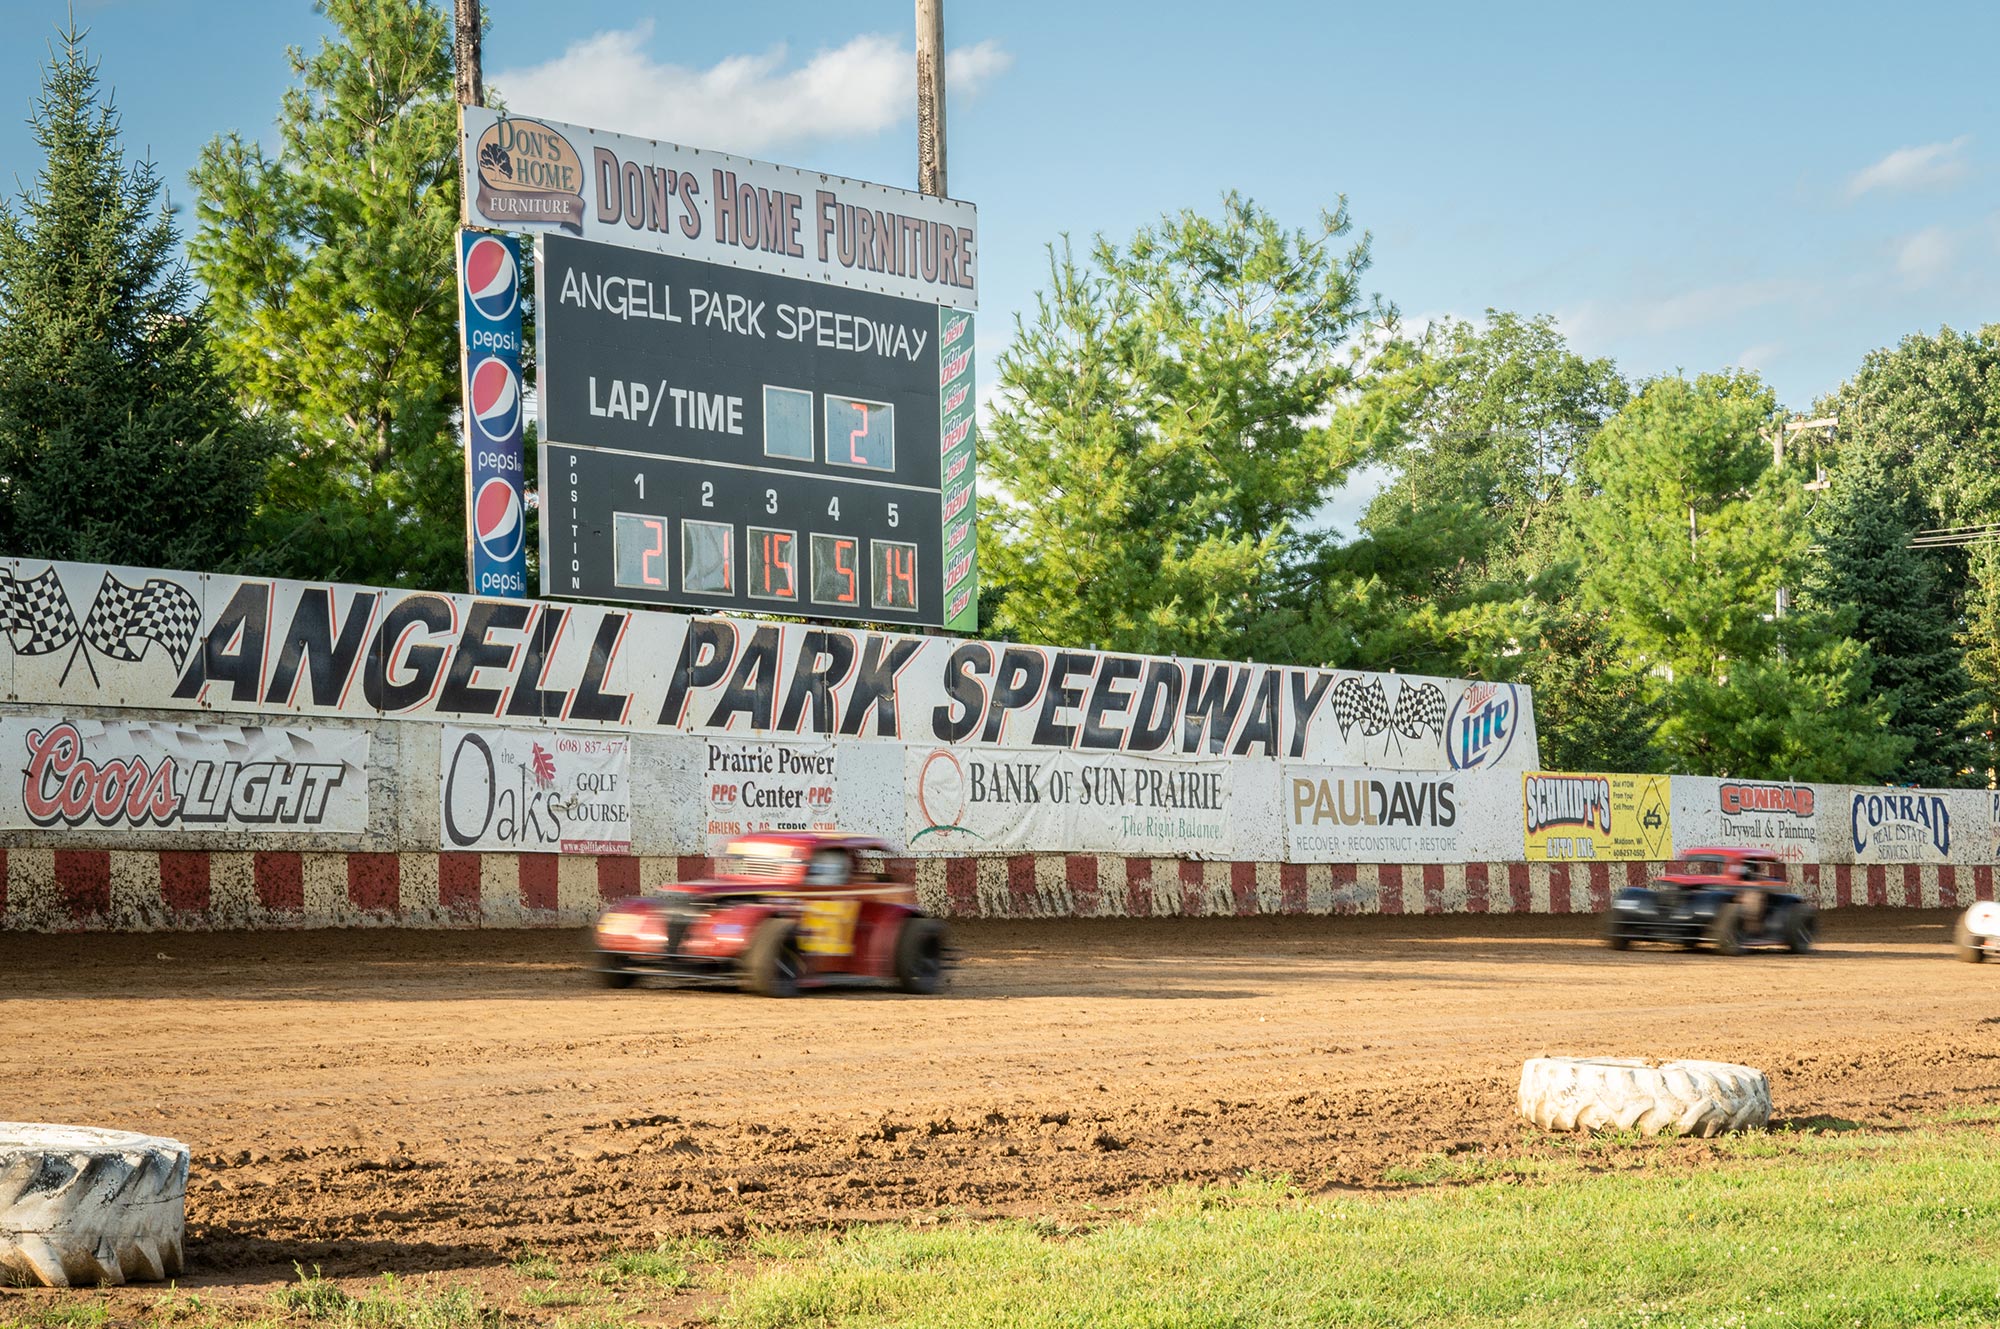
x=860, y=433
x=894, y=582
x=774, y=564
x=836, y=568
x=705, y=562
x=639, y=550
x=788, y=423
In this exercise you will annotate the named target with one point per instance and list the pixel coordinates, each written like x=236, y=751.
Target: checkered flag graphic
x=1363, y=704
x=1419, y=709
x=38, y=607
x=160, y=611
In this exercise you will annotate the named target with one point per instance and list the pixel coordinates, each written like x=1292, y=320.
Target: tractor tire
x=772, y=963
x=1614, y=1093
x=1968, y=944
x=920, y=956
x=1725, y=930
x=80, y=1206
x=1801, y=928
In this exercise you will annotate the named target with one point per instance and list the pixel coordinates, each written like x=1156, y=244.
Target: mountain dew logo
x=957, y=444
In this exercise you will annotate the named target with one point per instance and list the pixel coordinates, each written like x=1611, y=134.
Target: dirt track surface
x=375, y=1101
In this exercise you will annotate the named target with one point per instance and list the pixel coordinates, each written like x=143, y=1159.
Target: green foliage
x=1463, y=565
x=1685, y=543
x=119, y=438
x=1862, y=561
x=331, y=271
x=1159, y=436
x=1929, y=410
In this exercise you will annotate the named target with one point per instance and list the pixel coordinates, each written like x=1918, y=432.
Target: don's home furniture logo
x=529, y=175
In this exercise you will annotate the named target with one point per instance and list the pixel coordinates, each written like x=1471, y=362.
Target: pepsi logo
x=496, y=399
x=497, y=521
x=492, y=278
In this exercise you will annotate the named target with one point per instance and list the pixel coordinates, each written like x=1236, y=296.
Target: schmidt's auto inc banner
x=89, y=635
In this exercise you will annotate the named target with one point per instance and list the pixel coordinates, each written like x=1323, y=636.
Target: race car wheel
x=920, y=956
x=1620, y=1093
x=614, y=978
x=772, y=963
x=1968, y=943
x=1613, y=938
x=1801, y=928
x=1725, y=932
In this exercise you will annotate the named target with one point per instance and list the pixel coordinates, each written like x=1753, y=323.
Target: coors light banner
x=87, y=635
x=94, y=775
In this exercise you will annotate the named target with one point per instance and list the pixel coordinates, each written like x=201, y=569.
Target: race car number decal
x=826, y=927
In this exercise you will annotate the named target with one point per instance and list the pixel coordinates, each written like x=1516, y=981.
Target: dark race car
x=1732, y=899
x=782, y=912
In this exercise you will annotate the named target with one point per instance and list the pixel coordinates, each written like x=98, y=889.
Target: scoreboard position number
x=705, y=561
x=894, y=582
x=639, y=550
x=836, y=565
x=774, y=564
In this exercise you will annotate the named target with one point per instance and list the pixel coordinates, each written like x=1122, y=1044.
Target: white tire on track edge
x=1621, y=1093
x=81, y=1206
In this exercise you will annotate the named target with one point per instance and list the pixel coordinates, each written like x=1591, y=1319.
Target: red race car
x=783, y=911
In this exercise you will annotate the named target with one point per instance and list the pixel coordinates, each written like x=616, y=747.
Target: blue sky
x=1684, y=187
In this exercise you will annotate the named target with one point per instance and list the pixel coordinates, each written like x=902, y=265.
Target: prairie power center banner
x=89, y=635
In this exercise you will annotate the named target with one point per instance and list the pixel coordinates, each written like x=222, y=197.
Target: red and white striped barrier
x=43, y=890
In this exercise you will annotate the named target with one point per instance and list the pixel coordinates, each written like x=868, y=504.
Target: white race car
x=1978, y=931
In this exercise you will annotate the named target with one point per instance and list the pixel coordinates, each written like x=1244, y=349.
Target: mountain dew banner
x=88, y=635
x=958, y=408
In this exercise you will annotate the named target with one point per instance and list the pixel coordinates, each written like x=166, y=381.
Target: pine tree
x=1902, y=609
x=119, y=438
x=331, y=269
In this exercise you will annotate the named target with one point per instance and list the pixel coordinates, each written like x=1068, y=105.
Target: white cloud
x=1758, y=358
x=1922, y=258
x=1593, y=322
x=1924, y=166
x=745, y=104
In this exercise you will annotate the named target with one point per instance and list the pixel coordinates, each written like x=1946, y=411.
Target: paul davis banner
x=1357, y=815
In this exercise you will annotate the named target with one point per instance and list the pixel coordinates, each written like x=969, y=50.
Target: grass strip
x=1802, y=1230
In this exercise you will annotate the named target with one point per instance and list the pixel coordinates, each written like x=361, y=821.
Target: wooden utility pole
x=930, y=97
x=465, y=54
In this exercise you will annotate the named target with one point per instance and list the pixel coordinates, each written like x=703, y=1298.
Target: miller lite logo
x=1481, y=726
x=492, y=279
x=496, y=518
x=496, y=400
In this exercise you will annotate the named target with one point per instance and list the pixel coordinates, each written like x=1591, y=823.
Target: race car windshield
x=1704, y=866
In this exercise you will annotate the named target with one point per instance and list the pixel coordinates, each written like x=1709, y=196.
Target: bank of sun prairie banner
x=89, y=635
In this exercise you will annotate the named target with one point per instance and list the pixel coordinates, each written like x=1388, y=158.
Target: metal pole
x=465, y=54
x=930, y=97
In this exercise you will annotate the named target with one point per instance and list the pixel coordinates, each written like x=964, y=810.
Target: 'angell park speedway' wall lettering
x=87, y=635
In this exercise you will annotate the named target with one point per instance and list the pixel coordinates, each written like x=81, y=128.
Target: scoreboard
x=723, y=438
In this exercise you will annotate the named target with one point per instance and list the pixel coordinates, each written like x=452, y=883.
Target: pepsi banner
x=489, y=283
